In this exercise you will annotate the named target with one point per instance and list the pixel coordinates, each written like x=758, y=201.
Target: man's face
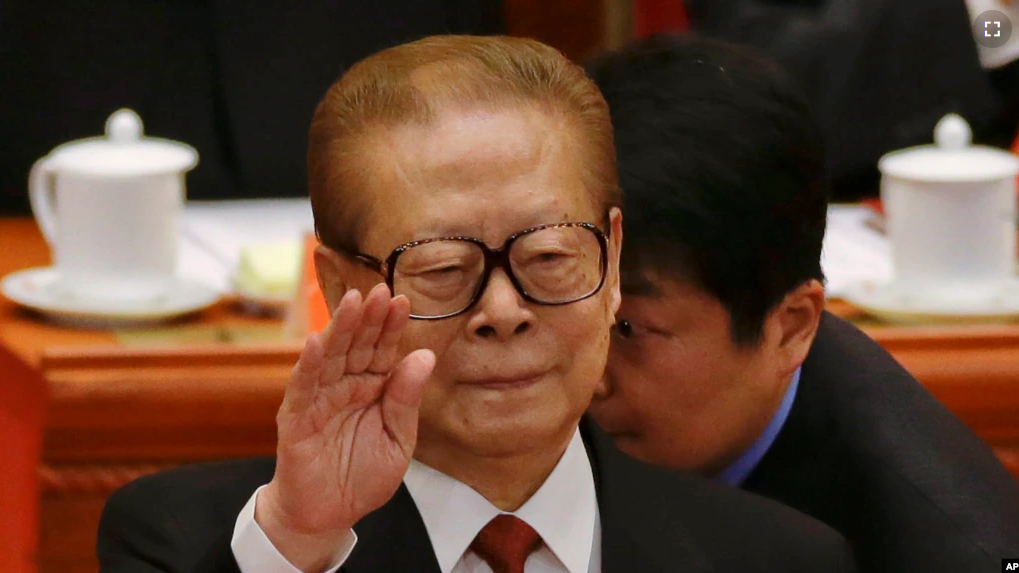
x=679, y=392
x=510, y=375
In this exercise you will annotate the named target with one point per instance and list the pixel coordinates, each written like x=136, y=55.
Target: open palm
x=348, y=423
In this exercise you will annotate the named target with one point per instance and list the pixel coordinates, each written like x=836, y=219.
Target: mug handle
x=40, y=196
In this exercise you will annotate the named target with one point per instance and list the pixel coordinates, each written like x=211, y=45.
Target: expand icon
x=992, y=29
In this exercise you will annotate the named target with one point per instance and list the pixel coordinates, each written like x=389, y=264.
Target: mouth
x=508, y=382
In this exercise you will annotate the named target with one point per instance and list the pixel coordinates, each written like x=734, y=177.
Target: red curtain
x=653, y=16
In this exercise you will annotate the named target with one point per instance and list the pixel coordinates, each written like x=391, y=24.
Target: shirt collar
x=563, y=510
x=739, y=471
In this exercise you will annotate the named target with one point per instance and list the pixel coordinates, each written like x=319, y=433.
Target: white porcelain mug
x=108, y=208
x=951, y=213
x=952, y=242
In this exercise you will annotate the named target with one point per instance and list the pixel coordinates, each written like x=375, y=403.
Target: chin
x=505, y=433
x=636, y=446
x=502, y=421
x=647, y=452
x=629, y=444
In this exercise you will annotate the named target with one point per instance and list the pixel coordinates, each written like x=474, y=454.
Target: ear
x=615, y=248
x=337, y=274
x=792, y=325
x=330, y=268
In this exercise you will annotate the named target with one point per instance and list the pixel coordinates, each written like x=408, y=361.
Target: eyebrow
x=637, y=284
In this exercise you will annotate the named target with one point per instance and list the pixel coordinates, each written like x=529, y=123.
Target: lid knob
x=124, y=126
x=953, y=133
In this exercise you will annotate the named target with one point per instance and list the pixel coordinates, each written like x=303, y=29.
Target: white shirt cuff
x=256, y=554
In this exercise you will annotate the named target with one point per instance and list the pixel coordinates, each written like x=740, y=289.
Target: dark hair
x=722, y=171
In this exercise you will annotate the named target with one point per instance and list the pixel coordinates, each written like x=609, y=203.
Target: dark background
x=238, y=80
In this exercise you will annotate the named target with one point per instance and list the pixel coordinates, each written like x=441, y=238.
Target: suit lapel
x=393, y=539
x=644, y=525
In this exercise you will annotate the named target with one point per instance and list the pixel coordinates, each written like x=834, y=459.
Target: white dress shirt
x=564, y=512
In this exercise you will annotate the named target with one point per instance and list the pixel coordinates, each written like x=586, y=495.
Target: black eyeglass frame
x=494, y=258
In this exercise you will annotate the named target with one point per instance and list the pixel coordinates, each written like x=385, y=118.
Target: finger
x=304, y=376
x=337, y=335
x=387, y=347
x=362, y=347
x=402, y=398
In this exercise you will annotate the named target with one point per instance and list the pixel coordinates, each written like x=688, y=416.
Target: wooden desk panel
x=117, y=412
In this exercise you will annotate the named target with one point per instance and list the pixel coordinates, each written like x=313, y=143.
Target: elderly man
x=724, y=360
x=465, y=193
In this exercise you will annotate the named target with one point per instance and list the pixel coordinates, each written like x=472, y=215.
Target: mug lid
x=952, y=159
x=124, y=151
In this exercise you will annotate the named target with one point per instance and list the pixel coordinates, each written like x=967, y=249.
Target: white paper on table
x=852, y=251
x=213, y=233
x=196, y=264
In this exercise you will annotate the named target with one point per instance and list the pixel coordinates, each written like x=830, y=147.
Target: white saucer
x=893, y=303
x=39, y=290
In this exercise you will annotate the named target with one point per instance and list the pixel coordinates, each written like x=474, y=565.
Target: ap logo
x=1010, y=565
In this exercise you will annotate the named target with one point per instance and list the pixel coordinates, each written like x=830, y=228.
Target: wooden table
x=117, y=411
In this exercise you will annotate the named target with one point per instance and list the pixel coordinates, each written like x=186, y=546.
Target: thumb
x=402, y=398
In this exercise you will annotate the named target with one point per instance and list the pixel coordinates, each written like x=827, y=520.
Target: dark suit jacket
x=879, y=73
x=239, y=81
x=869, y=451
x=653, y=521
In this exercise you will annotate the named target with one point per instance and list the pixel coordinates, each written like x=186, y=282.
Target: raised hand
x=347, y=427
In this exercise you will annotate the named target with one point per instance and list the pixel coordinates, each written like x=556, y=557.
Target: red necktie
x=505, y=543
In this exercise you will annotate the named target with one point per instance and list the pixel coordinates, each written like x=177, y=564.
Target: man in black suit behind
x=724, y=360
x=474, y=179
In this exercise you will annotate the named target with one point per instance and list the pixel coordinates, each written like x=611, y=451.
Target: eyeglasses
x=548, y=265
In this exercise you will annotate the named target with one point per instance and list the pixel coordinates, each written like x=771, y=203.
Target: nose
x=604, y=389
x=501, y=313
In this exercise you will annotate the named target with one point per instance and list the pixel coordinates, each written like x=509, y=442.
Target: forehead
x=481, y=173
x=637, y=282
x=653, y=286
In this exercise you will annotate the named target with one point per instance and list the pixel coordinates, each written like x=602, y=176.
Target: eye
x=623, y=328
x=549, y=257
x=447, y=270
x=626, y=329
